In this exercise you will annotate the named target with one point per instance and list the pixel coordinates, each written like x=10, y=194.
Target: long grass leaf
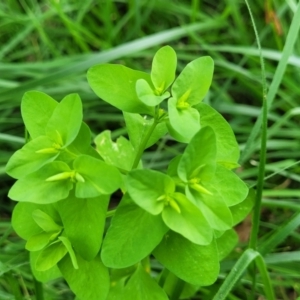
x=112, y=54
x=278, y=76
x=239, y=269
x=280, y=234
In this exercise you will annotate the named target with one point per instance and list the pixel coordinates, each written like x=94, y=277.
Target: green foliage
x=116, y=85
x=142, y=286
x=181, y=216
x=195, y=264
x=132, y=236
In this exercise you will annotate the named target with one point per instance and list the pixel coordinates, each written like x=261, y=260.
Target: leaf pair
x=189, y=89
x=210, y=186
x=52, y=127
x=39, y=225
x=162, y=76
x=134, y=91
x=54, y=181
x=139, y=286
x=155, y=193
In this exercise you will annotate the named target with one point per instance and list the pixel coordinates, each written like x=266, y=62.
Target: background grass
x=49, y=45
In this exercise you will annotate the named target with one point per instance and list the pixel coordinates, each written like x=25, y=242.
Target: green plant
x=183, y=217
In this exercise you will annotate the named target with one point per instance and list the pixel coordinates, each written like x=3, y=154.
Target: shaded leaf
x=43, y=276
x=213, y=207
x=137, y=127
x=195, y=264
x=84, y=221
x=91, y=279
x=240, y=211
x=141, y=286
x=226, y=243
x=132, y=235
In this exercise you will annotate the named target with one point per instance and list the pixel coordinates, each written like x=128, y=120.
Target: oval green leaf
x=115, y=84
x=99, y=177
x=84, y=221
x=185, y=123
x=147, y=95
x=65, y=121
x=27, y=160
x=199, y=157
x=36, y=109
x=193, y=82
x=163, y=68
x=132, y=235
x=195, y=264
x=229, y=185
x=145, y=187
x=141, y=286
x=189, y=222
x=50, y=256
x=34, y=187
x=228, y=151
x=91, y=279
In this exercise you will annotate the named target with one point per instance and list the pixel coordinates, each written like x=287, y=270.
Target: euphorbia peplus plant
x=183, y=217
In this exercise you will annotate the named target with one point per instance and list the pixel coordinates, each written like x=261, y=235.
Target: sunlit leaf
x=99, y=177
x=193, y=82
x=147, y=189
x=188, y=221
x=34, y=187
x=65, y=121
x=115, y=84
x=37, y=108
x=50, y=256
x=163, y=68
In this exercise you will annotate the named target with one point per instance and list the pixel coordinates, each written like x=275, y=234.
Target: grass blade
x=278, y=76
x=238, y=270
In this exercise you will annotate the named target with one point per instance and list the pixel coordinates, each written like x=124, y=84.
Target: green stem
x=143, y=144
x=263, y=147
x=110, y=213
x=262, y=158
x=177, y=288
x=39, y=290
x=163, y=277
